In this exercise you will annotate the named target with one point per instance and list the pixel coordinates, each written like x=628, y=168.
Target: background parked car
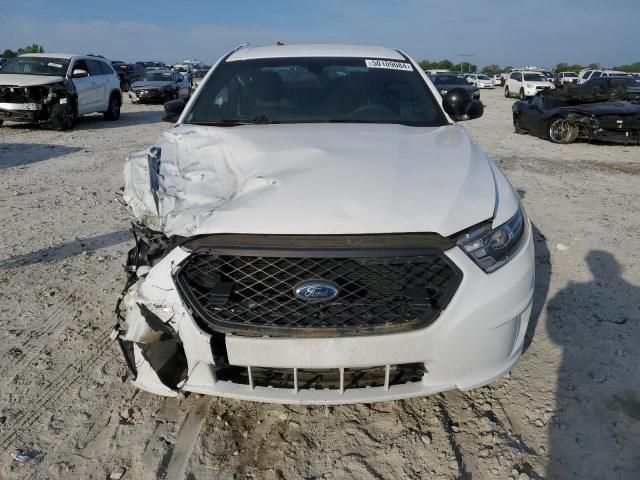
x=480, y=81
x=186, y=70
x=566, y=77
x=41, y=87
x=525, y=84
x=446, y=81
x=587, y=74
x=198, y=76
x=160, y=86
x=497, y=79
x=128, y=74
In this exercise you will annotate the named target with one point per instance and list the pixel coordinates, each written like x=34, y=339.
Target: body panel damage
x=335, y=179
x=32, y=101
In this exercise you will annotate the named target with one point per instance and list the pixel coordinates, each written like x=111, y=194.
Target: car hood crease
x=311, y=179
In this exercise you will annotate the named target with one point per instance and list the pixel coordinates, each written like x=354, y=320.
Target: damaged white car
x=316, y=228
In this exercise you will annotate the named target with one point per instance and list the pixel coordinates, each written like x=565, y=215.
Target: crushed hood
x=311, y=179
x=17, y=80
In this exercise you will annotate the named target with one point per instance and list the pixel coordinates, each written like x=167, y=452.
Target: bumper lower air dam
x=475, y=339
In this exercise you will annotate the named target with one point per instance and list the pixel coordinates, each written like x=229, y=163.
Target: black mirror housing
x=173, y=109
x=456, y=102
x=476, y=110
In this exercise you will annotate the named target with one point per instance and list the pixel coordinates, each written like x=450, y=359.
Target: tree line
x=34, y=48
x=494, y=68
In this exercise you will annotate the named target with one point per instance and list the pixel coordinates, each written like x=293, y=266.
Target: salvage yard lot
x=569, y=409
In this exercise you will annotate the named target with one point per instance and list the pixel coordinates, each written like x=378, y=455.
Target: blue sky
x=516, y=32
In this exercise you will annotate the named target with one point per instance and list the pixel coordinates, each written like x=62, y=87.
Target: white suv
x=316, y=228
x=525, y=84
x=589, y=74
x=57, y=88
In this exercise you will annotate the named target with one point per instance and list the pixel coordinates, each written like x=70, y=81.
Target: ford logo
x=316, y=290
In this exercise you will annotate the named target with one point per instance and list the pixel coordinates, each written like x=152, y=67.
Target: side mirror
x=79, y=73
x=456, y=102
x=173, y=109
x=476, y=110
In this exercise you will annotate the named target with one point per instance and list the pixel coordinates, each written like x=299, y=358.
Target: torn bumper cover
x=32, y=103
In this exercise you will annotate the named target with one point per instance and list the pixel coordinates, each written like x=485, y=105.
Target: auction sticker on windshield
x=388, y=64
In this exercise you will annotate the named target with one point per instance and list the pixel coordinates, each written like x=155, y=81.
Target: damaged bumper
x=476, y=339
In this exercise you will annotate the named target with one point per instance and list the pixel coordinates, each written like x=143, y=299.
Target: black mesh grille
x=254, y=295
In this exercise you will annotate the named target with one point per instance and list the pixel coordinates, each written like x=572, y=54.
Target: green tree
x=8, y=53
x=491, y=69
x=632, y=67
x=34, y=48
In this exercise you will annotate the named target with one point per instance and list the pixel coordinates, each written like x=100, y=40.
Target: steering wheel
x=372, y=109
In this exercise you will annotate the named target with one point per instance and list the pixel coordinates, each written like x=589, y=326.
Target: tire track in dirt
x=23, y=419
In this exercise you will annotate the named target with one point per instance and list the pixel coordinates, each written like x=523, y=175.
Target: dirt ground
x=569, y=409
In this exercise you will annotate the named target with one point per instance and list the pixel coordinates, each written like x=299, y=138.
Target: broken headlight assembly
x=491, y=248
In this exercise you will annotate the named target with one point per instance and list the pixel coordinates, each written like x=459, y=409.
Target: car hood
x=604, y=108
x=311, y=179
x=17, y=80
x=156, y=84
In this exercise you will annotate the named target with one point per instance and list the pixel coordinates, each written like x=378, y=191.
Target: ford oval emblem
x=316, y=290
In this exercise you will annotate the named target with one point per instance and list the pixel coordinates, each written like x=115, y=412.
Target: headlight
x=529, y=85
x=493, y=248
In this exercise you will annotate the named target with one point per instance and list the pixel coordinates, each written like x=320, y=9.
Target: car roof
x=314, y=50
x=67, y=56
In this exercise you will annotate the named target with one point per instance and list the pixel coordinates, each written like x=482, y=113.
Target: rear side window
x=596, y=74
x=106, y=68
x=94, y=68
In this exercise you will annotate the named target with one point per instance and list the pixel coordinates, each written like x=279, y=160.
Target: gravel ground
x=569, y=409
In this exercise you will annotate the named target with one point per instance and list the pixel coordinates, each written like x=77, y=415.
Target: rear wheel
x=113, y=111
x=561, y=131
x=62, y=116
x=506, y=92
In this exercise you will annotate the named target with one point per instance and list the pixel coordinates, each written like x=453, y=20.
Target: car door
x=531, y=113
x=98, y=85
x=84, y=88
x=181, y=83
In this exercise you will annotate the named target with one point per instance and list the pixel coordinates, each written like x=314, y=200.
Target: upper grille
x=381, y=291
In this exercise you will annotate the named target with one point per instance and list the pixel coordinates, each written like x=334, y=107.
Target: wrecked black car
x=448, y=81
x=603, y=113
x=57, y=88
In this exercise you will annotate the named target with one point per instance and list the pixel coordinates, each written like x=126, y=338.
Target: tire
x=113, y=111
x=506, y=92
x=62, y=116
x=1, y=122
x=559, y=130
x=516, y=125
x=125, y=86
x=522, y=96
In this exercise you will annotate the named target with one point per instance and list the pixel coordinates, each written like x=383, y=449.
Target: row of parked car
x=57, y=88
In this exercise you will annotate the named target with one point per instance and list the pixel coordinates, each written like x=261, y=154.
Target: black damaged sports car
x=563, y=117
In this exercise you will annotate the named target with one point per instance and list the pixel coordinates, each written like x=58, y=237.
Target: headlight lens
x=529, y=85
x=493, y=248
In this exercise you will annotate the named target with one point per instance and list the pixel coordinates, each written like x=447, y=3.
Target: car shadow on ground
x=541, y=290
x=19, y=154
x=69, y=249
x=595, y=430
x=96, y=121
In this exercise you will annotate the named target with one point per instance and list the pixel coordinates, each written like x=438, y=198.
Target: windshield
x=449, y=80
x=316, y=90
x=181, y=69
x=155, y=76
x=48, y=66
x=534, y=77
x=483, y=77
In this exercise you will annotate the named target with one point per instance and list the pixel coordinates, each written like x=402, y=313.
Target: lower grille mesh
x=254, y=295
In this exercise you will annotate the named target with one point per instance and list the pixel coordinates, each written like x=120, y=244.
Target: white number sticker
x=388, y=64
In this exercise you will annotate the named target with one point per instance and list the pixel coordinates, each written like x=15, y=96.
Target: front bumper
x=148, y=97
x=22, y=111
x=476, y=340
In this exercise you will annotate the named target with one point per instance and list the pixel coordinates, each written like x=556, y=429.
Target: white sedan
x=318, y=229
x=481, y=81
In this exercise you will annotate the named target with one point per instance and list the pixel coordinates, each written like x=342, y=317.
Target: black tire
x=125, y=86
x=517, y=126
x=113, y=111
x=62, y=116
x=506, y=92
x=559, y=130
x=522, y=96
